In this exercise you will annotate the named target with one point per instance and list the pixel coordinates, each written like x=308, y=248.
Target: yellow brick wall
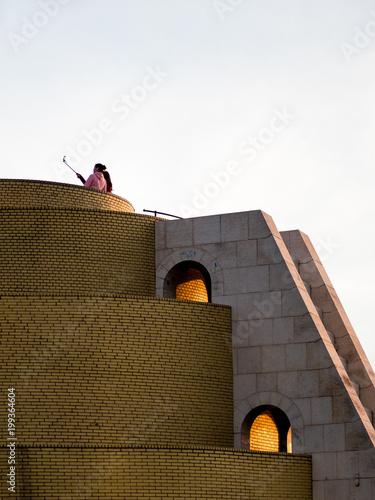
x=264, y=435
x=76, y=251
x=192, y=286
x=118, y=394
x=160, y=473
x=22, y=194
x=115, y=370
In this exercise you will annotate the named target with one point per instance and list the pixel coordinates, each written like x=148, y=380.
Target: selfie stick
x=68, y=165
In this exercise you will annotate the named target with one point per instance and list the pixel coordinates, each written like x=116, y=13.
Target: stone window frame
x=207, y=260
x=243, y=407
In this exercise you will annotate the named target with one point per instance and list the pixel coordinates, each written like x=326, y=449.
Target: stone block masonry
x=293, y=346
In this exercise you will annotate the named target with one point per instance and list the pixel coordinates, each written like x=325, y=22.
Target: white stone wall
x=293, y=346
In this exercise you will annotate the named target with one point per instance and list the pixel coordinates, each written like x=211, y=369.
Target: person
x=107, y=177
x=96, y=180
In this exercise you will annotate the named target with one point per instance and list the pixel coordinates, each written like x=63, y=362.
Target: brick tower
x=221, y=378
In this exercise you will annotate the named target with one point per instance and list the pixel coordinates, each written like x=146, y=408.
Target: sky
x=201, y=107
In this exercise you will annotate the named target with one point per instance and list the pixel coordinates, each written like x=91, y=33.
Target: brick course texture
x=24, y=194
x=149, y=473
x=119, y=394
x=264, y=434
x=115, y=370
x=76, y=251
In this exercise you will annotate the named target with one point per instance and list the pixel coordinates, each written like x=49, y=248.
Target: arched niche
x=266, y=428
x=188, y=280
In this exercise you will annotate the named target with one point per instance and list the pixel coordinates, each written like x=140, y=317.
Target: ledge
x=21, y=193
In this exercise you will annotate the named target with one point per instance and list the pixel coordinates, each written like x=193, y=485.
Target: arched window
x=188, y=280
x=267, y=428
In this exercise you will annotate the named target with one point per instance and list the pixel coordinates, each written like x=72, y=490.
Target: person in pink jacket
x=96, y=180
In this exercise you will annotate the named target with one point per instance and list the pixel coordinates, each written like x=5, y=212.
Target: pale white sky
x=169, y=94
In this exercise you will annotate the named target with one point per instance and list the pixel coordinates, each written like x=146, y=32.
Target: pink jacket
x=96, y=181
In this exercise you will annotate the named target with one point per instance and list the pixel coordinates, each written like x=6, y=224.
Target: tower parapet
x=18, y=193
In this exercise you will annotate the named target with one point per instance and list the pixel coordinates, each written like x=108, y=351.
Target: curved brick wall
x=76, y=251
x=115, y=370
x=29, y=193
x=160, y=473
